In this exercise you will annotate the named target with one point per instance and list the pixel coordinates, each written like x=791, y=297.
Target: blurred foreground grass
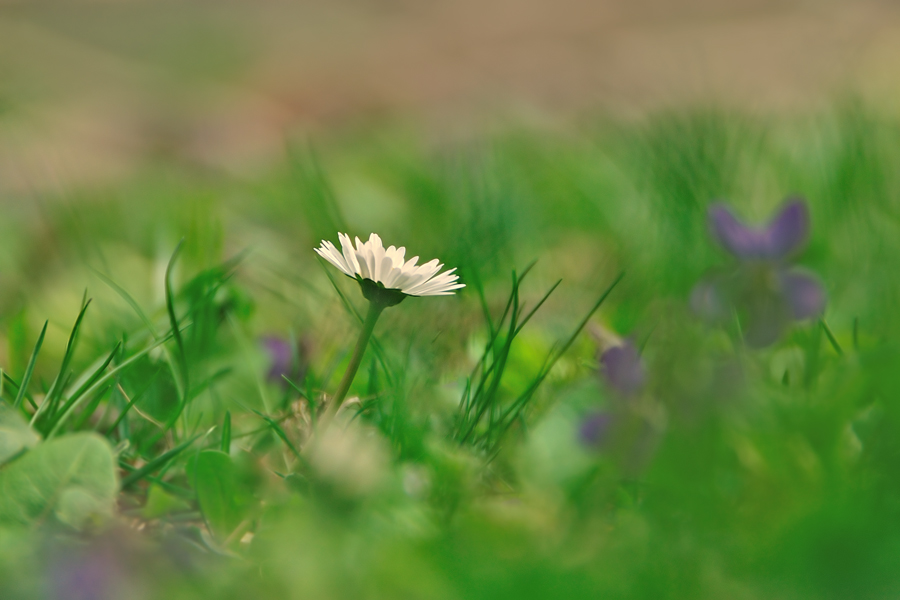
x=771, y=473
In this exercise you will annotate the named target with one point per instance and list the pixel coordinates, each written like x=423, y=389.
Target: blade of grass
x=173, y=323
x=280, y=433
x=132, y=401
x=16, y=386
x=90, y=409
x=479, y=290
x=29, y=370
x=489, y=351
x=831, y=338
x=296, y=388
x=56, y=388
x=128, y=299
x=226, y=433
x=537, y=306
x=156, y=464
x=175, y=489
x=516, y=407
x=99, y=382
x=487, y=400
x=87, y=385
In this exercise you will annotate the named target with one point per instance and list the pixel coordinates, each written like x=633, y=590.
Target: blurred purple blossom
x=764, y=289
x=92, y=572
x=622, y=369
x=595, y=428
x=784, y=235
x=285, y=359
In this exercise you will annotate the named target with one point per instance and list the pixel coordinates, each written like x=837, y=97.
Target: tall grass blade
x=173, y=323
x=97, y=383
x=282, y=435
x=131, y=402
x=831, y=338
x=53, y=396
x=128, y=300
x=517, y=406
x=226, y=433
x=29, y=370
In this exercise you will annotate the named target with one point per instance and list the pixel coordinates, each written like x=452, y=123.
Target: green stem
x=334, y=404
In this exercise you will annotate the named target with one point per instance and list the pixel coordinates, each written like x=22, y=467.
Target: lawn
x=622, y=402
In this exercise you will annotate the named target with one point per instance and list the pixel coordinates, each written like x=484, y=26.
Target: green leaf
x=156, y=464
x=72, y=477
x=15, y=434
x=221, y=498
x=160, y=503
x=153, y=383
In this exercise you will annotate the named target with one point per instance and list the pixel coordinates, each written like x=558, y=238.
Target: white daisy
x=386, y=267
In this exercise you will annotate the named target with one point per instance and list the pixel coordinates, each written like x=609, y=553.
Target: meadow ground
x=485, y=451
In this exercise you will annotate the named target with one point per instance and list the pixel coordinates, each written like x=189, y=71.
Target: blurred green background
x=589, y=137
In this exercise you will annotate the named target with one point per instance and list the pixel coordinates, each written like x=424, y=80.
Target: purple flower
x=622, y=369
x=594, y=429
x=765, y=291
x=783, y=236
x=94, y=571
x=284, y=359
x=630, y=428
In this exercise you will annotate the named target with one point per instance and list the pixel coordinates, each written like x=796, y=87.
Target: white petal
x=349, y=254
x=362, y=258
x=410, y=265
x=330, y=253
x=378, y=255
x=396, y=255
x=430, y=268
x=385, y=267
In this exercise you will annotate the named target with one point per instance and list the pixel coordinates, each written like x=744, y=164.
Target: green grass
x=459, y=473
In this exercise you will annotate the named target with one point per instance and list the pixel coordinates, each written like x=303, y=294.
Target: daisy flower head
x=384, y=274
x=386, y=279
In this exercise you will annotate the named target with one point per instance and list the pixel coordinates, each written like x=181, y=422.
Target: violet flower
x=623, y=372
x=622, y=369
x=284, y=359
x=91, y=572
x=594, y=428
x=767, y=293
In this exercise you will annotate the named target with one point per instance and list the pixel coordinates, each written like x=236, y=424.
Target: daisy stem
x=332, y=407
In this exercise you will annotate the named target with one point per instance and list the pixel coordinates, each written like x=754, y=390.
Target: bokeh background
x=90, y=89
x=589, y=136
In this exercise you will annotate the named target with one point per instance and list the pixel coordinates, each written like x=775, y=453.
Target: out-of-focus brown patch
x=103, y=85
